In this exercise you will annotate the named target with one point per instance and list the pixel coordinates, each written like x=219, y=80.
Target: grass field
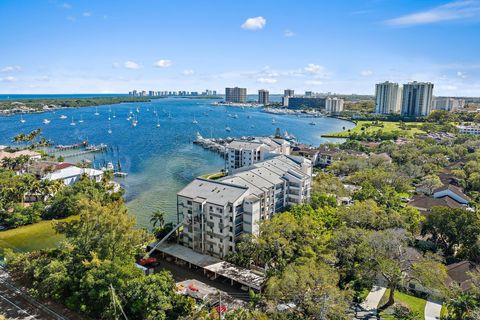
x=415, y=304
x=213, y=176
x=385, y=126
x=31, y=237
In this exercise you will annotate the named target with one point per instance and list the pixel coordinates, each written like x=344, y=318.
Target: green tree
x=312, y=288
x=454, y=230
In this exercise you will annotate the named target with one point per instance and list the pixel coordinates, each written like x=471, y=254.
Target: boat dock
x=81, y=150
x=216, y=145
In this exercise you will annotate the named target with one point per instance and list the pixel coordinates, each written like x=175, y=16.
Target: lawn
x=31, y=237
x=415, y=304
x=385, y=126
x=213, y=176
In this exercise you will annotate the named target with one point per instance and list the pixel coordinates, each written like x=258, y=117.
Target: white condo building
x=215, y=213
x=388, y=98
x=417, y=99
x=241, y=153
x=334, y=105
x=448, y=104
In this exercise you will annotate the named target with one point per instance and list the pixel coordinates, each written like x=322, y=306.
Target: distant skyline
x=62, y=47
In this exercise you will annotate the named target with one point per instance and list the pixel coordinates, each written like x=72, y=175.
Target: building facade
x=388, y=98
x=215, y=213
x=306, y=103
x=263, y=97
x=448, y=104
x=417, y=99
x=241, y=154
x=236, y=95
x=287, y=94
x=334, y=105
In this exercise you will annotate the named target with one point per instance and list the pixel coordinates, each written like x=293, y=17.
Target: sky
x=114, y=46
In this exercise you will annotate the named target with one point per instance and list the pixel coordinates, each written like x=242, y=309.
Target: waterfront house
x=32, y=155
x=70, y=174
x=215, y=213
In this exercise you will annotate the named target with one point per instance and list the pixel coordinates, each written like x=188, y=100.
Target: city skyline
x=348, y=47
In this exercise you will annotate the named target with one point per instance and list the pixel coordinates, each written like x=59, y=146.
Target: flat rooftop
x=215, y=191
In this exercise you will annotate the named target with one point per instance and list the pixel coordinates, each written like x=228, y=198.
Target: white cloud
x=8, y=79
x=256, y=23
x=87, y=14
x=288, y=33
x=455, y=10
x=314, y=82
x=461, y=74
x=66, y=5
x=448, y=87
x=163, y=63
x=10, y=69
x=188, y=72
x=132, y=65
x=314, y=68
x=43, y=78
x=366, y=73
x=71, y=18
x=267, y=80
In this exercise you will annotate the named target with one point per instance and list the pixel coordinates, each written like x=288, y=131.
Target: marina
x=158, y=156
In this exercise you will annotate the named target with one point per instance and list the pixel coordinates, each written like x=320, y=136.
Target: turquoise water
x=160, y=161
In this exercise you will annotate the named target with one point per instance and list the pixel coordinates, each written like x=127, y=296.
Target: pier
x=81, y=147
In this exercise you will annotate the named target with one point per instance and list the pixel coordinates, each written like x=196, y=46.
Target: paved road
x=432, y=310
x=15, y=304
x=373, y=298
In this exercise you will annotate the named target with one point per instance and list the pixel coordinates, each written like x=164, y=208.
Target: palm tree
x=158, y=219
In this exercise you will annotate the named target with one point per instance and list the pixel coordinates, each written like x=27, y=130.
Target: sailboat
x=155, y=110
x=72, y=123
x=109, y=129
x=96, y=112
x=21, y=119
x=81, y=119
x=138, y=110
x=134, y=121
x=273, y=121
x=158, y=123
x=194, y=121
x=169, y=115
x=114, y=116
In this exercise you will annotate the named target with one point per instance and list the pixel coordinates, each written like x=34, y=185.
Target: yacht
x=235, y=116
x=96, y=112
x=138, y=110
x=21, y=119
x=63, y=117
x=228, y=129
x=312, y=123
x=273, y=121
x=46, y=121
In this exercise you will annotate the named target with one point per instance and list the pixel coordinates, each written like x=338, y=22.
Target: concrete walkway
x=432, y=310
x=373, y=298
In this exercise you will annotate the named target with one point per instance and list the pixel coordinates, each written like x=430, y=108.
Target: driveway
x=373, y=298
x=432, y=310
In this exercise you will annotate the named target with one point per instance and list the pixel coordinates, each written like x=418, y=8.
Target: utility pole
x=220, y=305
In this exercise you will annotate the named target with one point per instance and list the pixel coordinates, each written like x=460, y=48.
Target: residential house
x=70, y=174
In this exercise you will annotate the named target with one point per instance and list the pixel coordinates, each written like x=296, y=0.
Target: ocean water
x=161, y=161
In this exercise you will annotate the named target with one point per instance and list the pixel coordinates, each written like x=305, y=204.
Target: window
x=189, y=202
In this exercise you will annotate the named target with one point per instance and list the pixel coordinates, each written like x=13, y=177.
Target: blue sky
x=49, y=46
